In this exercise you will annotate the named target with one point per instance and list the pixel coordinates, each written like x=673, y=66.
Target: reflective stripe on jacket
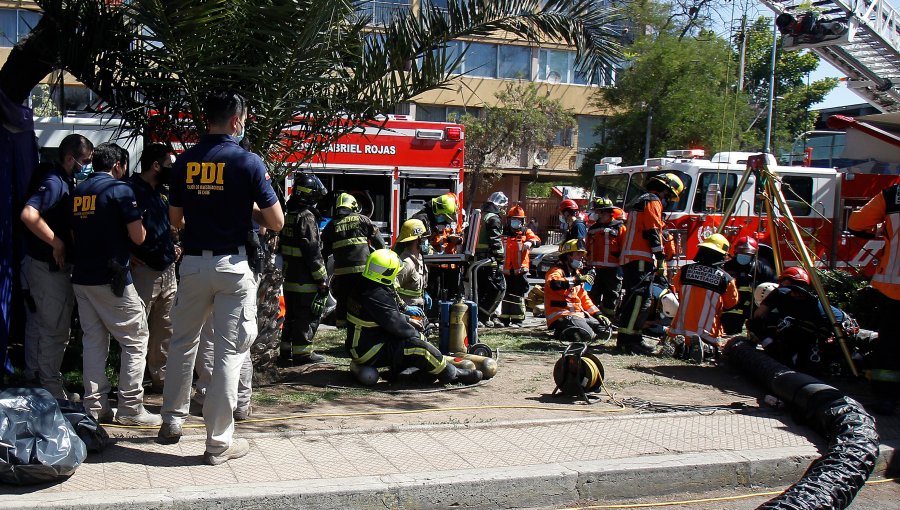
x=643, y=230
x=603, y=244
x=301, y=249
x=564, y=296
x=350, y=237
x=703, y=291
x=516, y=261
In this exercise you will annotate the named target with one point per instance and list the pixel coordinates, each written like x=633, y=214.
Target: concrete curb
x=495, y=488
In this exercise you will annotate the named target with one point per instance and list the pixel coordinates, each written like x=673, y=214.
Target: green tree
x=524, y=120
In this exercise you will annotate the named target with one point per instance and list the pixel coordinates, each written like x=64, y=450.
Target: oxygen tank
x=488, y=366
x=460, y=362
x=366, y=375
x=458, y=320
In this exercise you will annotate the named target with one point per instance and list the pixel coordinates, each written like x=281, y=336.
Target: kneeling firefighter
x=570, y=312
x=379, y=334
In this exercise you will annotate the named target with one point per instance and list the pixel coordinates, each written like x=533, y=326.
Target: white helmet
x=499, y=199
x=763, y=290
x=669, y=304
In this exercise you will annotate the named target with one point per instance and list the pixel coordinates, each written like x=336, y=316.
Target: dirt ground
x=325, y=396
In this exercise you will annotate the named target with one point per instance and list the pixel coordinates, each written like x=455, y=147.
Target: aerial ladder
x=869, y=54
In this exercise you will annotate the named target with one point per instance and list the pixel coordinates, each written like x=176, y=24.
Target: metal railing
x=382, y=13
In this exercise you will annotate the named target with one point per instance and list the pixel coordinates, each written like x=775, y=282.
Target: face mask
x=240, y=136
x=743, y=259
x=165, y=174
x=83, y=171
x=594, y=216
x=126, y=174
x=423, y=245
x=440, y=218
x=576, y=264
x=515, y=224
x=562, y=219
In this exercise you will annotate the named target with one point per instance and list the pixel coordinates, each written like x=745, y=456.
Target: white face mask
x=576, y=264
x=594, y=216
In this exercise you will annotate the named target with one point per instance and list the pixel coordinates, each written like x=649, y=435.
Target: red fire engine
x=820, y=199
x=393, y=166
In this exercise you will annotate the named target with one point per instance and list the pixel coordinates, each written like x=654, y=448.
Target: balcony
x=383, y=12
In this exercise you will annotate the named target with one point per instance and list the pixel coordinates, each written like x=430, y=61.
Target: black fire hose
x=833, y=480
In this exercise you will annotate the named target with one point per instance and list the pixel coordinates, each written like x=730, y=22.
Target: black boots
x=451, y=374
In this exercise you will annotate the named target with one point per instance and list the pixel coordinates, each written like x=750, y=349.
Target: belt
x=224, y=251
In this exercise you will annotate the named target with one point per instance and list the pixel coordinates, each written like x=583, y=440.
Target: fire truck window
x=727, y=184
x=798, y=192
x=612, y=187
x=638, y=187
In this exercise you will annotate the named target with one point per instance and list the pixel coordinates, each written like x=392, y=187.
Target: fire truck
x=394, y=167
x=820, y=200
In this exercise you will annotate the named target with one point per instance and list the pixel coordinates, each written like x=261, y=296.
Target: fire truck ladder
x=871, y=57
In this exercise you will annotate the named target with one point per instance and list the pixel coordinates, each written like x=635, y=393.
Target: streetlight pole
x=647, y=134
x=768, y=145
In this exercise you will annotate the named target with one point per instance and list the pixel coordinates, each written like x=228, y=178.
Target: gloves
x=604, y=320
x=414, y=311
x=317, y=307
x=527, y=245
x=587, y=277
x=428, y=301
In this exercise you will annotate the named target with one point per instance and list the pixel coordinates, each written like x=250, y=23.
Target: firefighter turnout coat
x=704, y=291
x=412, y=279
x=603, y=243
x=564, y=296
x=301, y=248
x=347, y=237
x=517, y=261
x=643, y=229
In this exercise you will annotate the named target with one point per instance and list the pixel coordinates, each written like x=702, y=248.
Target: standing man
x=305, y=287
x=604, y=240
x=106, y=221
x=437, y=214
x=491, y=283
x=642, y=254
x=570, y=219
x=885, y=208
x=215, y=186
x=519, y=242
x=48, y=216
x=153, y=262
x=350, y=237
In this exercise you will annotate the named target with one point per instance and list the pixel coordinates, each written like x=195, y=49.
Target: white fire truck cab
x=393, y=167
x=820, y=199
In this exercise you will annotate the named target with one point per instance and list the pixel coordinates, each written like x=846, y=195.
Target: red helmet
x=795, y=274
x=567, y=205
x=747, y=245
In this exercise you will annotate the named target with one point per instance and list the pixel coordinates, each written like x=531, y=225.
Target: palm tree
x=152, y=61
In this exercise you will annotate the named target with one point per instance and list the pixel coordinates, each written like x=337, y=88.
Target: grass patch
x=525, y=340
x=274, y=397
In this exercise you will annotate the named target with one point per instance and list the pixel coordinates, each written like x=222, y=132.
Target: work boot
x=308, y=359
x=142, y=419
x=448, y=375
x=169, y=433
x=243, y=413
x=238, y=448
x=468, y=376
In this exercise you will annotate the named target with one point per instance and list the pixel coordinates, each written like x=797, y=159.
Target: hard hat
x=602, y=204
x=308, y=189
x=444, y=205
x=572, y=246
x=349, y=201
x=795, y=274
x=670, y=181
x=715, y=242
x=516, y=211
x=411, y=229
x=568, y=205
x=499, y=199
x=763, y=290
x=669, y=304
x=746, y=245
x=382, y=266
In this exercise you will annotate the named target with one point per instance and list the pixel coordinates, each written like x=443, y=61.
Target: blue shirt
x=53, y=200
x=158, y=250
x=217, y=182
x=102, y=207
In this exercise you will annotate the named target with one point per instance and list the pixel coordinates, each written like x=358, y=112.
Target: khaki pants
x=52, y=292
x=220, y=288
x=204, y=370
x=157, y=291
x=102, y=313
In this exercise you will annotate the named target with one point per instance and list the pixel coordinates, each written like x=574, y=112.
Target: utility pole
x=740, y=84
x=647, y=134
x=767, y=147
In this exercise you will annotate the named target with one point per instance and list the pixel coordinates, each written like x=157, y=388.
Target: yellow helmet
x=572, y=246
x=717, y=243
x=349, y=201
x=670, y=181
x=382, y=266
x=444, y=205
x=411, y=229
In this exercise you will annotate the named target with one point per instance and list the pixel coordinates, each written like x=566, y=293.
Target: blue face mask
x=84, y=171
x=743, y=259
x=423, y=245
x=240, y=136
x=440, y=218
x=515, y=224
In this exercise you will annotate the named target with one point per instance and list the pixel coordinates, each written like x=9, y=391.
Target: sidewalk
x=496, y=465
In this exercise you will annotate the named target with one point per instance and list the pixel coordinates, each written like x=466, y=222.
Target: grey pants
x=52, y=292
x=157, y=291
x=204, y=370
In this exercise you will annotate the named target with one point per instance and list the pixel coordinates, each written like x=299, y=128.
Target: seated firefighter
x=570, y=312
x=380, y=336
x=705, y=289
x=749, y=270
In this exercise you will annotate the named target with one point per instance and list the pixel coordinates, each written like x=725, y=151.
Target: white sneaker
x=142, y=419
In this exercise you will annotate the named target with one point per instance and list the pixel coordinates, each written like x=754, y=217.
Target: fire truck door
x=417, y=191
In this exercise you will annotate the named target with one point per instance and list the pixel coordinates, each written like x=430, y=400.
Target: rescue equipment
x=487, y=365
x=458, y=361
x=366, y=375
x=578, y=372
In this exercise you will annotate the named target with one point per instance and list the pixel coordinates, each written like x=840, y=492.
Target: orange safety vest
x=703, y=291
x=645, y=216
x=573, y=300
x=603, y=244
x=516, y=261
x=884, y=207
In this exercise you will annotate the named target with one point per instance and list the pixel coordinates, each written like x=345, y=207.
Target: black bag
x=85, y=425
x=37, y=443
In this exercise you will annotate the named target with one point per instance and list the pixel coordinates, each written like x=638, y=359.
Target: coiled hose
x=833, y=480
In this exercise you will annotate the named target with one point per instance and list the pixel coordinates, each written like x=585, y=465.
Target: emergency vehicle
x=393, y=166
x=97, y=128
x=820, y=200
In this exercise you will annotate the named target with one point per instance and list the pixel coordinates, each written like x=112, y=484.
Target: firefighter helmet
x=516, y=211
x=746, y=245
x=349, y=201
x=602, y=204
x=444, y=205
x=795, y=275
x=568, y=205
x=382, y=266
x=572, y=246
x=308, y=189
x=411, y=229
x=763, y=290
x=499, y=199
x=716, y=243
x=669, y=181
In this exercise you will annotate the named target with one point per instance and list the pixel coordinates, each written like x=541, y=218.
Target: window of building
x=590, y=131
x=480, y=60
x=563, y=138
x=559, y=66
x=15, y=24
x=515, y=62
x=727, y=184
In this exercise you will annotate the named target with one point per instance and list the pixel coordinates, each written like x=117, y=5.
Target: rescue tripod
x=772, y=196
